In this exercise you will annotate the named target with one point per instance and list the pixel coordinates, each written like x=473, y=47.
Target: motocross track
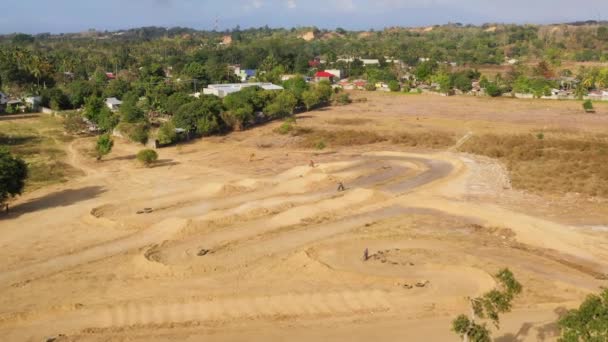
x=239, y=248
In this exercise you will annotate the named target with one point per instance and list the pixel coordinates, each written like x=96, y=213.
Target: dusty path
x=227, y=248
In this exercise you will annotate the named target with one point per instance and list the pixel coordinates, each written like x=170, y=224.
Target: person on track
x=341, y=187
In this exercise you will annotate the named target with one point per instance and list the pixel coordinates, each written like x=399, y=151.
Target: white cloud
x=291, y=4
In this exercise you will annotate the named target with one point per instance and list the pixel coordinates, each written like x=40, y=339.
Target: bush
x=74, y=123
x=147, y=157
x=104, y=146
x=370, y=87
x=394, y=86
x=136, y=132
x=167, y=134
x=342, y=99
x=492, y=89
x=588, y=106
x=320, y=145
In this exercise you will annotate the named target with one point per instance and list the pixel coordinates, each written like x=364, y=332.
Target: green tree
x=394, y=86
x=147, y=157
x=13, y=173
x=177, y=100
x=444, y=82
x=311, y=99
x=588, y=323
x=324, y=91
x=488, y=307
x=104, y=145
x=283, y=105
x=130, y=112
x=588, y=106
x=167, y=134
x=201, y=116
x=493, y=90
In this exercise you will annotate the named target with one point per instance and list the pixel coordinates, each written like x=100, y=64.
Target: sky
x=56, y=16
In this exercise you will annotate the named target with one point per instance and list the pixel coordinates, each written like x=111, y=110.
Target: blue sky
x=34, y=16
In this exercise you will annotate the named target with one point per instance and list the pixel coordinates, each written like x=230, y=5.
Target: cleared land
x=245, y=241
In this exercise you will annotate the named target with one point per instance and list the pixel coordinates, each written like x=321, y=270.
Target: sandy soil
x=267, y=249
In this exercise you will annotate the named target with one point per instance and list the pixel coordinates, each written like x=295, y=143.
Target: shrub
x=167, y=134
x=588, y=106
x=104, y=146
x=147, y=157
x=320, y=145
x=74, y=123
x=285, y=128
x=394, y=86
x=370, y=87
x=492, y=89
x=342, y=99
x=136, y=132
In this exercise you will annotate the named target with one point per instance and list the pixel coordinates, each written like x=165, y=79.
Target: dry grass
x=348, y=122
x=554, y=164
x=311, y=138
x=39, y=141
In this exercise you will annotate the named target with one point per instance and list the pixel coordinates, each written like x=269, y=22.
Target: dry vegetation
x=39, y=141
x=549, y=164
x=313, y=138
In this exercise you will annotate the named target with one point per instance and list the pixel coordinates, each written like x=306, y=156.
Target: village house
x=324, y=76
x=113, y=103
x=336, y=72
x=222, y=90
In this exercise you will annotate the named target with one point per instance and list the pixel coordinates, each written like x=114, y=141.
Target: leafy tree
x=324, y=91
x=13, y=172
x=130, y=112
x=283, y=105
x=493, y=90
x=147, y=157
x=425, y=70
x=201, y=116
x=394, y=86
x=136, y=132
x=297, y=86
x=104, y=145
x=177, y=100
x=116, y=88
x=22, y=38
x=489, y=306
x=444, y=81
x=311, y=99
x=167, y=134
x=588, y=323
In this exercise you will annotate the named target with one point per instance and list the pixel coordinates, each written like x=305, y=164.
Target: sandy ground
x=240, y=250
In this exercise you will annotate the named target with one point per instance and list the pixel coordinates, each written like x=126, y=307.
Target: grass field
x=40, y=141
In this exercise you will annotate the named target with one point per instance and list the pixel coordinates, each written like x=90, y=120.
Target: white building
x=335, y=72
x=222, y=90
x=365, y=61
x=113, y=103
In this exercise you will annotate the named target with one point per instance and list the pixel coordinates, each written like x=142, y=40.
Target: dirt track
x=239, y=250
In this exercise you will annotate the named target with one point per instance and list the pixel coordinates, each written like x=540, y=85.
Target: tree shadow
x=521, y=334
x=545, y=332
x=129, y=157
x=8, y=117
x=15, y=141
x=57, y=199
x=163, y=163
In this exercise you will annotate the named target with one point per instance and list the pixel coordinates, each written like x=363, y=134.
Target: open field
x=40, y=141
x=246, y=241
